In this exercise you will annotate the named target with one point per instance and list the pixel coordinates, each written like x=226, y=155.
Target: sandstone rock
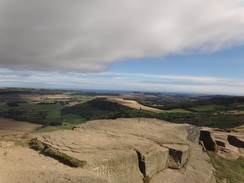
x=207, y=139
x=221, y=138
x=178, y=155
x=235, y=141
x=230, y=143
x=6, y=143
x=152, y=160
x=24, y=165
x=129, y=151
x=196, y=170
x=118, y=166
x=193, y=133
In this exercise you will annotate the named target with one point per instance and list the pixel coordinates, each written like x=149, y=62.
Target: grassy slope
x=69, y=121
x=173, y=111
x=232, y=170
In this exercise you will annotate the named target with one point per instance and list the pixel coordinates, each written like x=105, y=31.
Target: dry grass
x=12, y=127
x=228, y=170
x=132, y=104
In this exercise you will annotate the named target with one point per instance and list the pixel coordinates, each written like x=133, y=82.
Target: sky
x=183, y=46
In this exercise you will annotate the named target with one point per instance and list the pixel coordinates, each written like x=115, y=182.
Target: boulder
x=152, y=160
x=178, y=155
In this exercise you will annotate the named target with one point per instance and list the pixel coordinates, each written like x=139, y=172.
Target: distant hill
x=212, y=112
x=225, y=102
x=61, y=108
x=101, y=108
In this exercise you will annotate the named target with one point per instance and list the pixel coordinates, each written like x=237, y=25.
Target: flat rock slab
x=24, y=165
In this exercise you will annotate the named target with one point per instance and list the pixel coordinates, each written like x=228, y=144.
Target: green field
x=45, y=114
x=69, y=121
x=20, y=106
x=173, y=111
x=207, y=108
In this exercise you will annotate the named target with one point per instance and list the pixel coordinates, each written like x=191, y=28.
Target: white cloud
x=121, y=81
x=87, y=35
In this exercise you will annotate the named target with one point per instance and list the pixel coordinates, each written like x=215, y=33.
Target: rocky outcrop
x=230, y=143
x=178, y=155
x=207, y=139
x=152, y=160
x=235, y=141
x=133, y=151
x=24, y=165
x=195, y=170
x=119, y=166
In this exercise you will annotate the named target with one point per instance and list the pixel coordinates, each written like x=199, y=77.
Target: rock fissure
x=207, y=140
x=141, y=163
x=233, y=140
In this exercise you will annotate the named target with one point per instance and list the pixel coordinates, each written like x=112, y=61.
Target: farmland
x=207, y=108
x=61, y=109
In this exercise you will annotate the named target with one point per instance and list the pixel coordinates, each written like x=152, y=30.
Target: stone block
x=116, y=166
x=152, y=161
x=178, y=155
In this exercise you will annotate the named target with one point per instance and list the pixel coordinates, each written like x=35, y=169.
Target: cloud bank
x=121, y=81
x=87, y=35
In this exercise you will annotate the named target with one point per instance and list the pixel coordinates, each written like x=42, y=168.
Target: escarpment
x=132, y=151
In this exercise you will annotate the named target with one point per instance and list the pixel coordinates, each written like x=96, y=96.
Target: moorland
x=42, y=110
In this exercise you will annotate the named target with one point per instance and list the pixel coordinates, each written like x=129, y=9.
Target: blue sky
x=164, y=46
x=225, y=63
